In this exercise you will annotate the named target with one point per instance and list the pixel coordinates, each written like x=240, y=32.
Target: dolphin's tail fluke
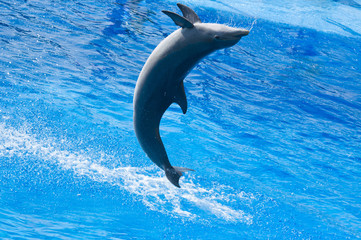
x=174, y=173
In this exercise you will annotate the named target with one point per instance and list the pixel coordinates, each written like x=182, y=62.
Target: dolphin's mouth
x=232, y=35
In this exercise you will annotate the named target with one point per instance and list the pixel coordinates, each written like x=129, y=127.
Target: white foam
x=149, y=183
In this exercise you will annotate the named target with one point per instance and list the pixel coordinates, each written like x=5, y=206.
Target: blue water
x=273, y=127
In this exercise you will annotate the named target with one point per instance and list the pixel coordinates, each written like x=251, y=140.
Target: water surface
x=273, y=124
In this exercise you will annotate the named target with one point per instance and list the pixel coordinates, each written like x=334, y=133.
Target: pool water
x=273, y=128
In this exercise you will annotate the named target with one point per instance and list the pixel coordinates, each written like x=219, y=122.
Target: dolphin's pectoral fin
x=174, y=173
x=179, y=20
x=188, y=13
x=180, y=98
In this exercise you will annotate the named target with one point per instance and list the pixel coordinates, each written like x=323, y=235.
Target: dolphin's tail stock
x=174, y=173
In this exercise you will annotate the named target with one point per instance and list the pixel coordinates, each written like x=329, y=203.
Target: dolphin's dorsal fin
x=179, y=20
x=188, y=13
x=180, y=97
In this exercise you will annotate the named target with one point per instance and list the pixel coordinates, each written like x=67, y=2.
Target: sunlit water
x=273, y=127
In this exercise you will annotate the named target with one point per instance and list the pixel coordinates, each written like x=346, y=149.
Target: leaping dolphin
x=160, y=82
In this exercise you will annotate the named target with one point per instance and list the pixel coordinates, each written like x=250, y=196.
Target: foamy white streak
x=149, y=183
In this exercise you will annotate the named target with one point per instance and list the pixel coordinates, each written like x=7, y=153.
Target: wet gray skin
x=160, y=82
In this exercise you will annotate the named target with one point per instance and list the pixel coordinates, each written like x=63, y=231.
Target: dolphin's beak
x=241, y=33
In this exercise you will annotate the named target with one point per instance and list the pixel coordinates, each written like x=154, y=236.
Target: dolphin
x=160, y=83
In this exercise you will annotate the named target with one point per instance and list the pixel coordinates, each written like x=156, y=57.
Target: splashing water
x=148, y=182
x=251, y=27
x=273, y=128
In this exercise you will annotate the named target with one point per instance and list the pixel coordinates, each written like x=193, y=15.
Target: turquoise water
x=273, y=127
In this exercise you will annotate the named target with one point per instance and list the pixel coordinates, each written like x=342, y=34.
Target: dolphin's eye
x=217, y=37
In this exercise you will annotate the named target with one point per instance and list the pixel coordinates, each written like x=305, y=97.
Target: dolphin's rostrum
x=160, y=82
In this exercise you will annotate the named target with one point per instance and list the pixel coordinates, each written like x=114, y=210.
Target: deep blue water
x=273, y=127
